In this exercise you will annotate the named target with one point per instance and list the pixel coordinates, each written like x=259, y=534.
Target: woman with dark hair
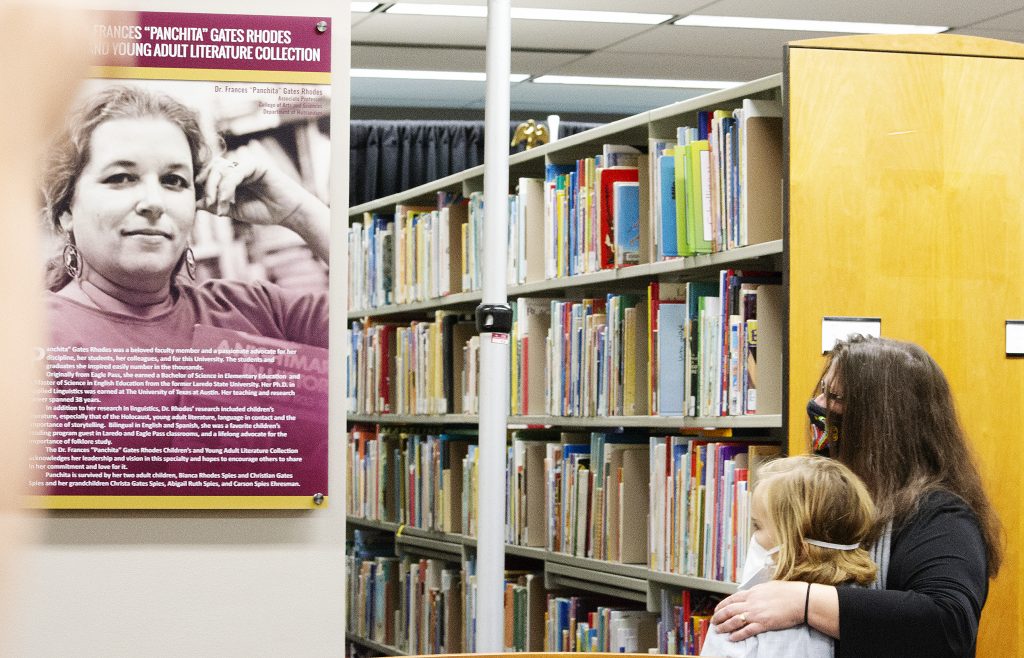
x=123, y=186
x=884, y=408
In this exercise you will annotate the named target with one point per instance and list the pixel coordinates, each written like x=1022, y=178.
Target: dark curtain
x=387, y=157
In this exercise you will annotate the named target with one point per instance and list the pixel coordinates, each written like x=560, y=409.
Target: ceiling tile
x=1005, y=35
x=445, y=30
x=558, y=35
x=673, y=67
x=1013, y=21
x=915, y=12
x=552, y=99
x=713, y=42
x=434, y=30
x=450, y=59
x=414, y=93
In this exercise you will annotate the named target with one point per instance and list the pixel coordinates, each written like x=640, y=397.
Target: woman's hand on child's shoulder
x=769, y=606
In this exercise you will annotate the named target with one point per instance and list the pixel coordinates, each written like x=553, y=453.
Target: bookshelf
x=537, y=422
x=869, y=125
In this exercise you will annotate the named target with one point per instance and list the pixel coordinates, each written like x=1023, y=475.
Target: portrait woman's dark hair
x=69, y=153
x=899, y=431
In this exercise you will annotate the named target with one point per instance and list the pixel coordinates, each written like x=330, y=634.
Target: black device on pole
x=494, y=318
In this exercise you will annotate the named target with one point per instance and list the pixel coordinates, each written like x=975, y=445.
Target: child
x=817, y=513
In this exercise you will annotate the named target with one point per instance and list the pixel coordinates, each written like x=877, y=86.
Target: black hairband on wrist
x=807, y=602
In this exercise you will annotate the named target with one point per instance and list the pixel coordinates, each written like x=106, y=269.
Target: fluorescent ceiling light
x=633, y=82
x=399, y=74
x=528, y=13
x=582, y=16
x=472, y=11
x=695, y=20
x=363, y=7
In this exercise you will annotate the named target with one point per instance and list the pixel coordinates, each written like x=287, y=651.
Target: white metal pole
x=491, y=317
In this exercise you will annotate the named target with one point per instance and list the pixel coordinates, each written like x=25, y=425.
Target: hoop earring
x=72, y=260
x=190, y=263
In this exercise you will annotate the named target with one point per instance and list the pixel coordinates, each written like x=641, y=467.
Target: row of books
x=679, y=504
x=684, y=349
x=414, y=368
x=429, y=606
x=577, y=624
x=684, y=621
x=420, y=480
x=412, y=255
x=592, y=213
x=408, y=603
x=717, y=185
x=700, y=504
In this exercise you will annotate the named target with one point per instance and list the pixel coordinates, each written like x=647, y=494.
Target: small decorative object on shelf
x=532, y=133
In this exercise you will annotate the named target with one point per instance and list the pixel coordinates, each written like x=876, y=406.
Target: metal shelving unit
x=521, y=422
x=689, y=267
x=375, y=646
x=622, y=580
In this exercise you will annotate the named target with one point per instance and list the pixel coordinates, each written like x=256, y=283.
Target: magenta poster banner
x=185, y=212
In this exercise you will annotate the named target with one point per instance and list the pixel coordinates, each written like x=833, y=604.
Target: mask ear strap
x=838, y=547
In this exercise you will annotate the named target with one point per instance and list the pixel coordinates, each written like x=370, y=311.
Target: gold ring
x=743, y=618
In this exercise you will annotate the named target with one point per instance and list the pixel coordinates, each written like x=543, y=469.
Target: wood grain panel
x=906, y=204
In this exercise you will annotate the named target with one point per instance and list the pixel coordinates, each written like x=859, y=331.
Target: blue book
x=626, y=222
x=672, y=320
x=667, y=173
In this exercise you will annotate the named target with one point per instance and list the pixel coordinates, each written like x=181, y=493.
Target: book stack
x=418, y=368
x=596, y=353
x=410, y=478
x=684, y=621
x=372, y=573
x=577, y=624
x=700, y=504
x=411, y=255
x=703, y=352
x=715, y=187
x=431, y=612
x=592, y=213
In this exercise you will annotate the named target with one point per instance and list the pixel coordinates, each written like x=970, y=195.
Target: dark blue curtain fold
x=387, y=157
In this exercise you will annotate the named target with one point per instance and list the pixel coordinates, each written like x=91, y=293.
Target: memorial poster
x=185, y=212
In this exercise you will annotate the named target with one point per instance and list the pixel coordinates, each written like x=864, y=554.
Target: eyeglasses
x=829, y=395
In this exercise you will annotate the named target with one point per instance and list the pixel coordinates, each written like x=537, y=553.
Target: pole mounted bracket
x=494, y=319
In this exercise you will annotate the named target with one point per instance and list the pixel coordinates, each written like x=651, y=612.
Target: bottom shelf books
x=429, y=606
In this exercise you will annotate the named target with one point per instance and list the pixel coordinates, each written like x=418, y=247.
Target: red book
x=605, y=179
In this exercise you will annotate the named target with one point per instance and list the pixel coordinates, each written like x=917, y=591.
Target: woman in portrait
x=122, y=188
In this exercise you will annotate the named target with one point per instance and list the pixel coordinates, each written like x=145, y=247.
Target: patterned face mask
x=822, y=432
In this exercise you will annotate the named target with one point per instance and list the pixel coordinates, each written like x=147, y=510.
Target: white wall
x=247, y=583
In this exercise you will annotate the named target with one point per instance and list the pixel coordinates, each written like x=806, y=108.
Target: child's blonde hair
x=809, y=497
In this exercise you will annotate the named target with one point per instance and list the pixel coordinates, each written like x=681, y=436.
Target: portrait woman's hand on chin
x=243, y=185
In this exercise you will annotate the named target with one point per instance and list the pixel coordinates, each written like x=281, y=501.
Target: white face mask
x=759, y=565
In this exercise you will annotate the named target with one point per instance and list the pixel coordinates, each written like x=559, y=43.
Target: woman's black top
x=936, y=587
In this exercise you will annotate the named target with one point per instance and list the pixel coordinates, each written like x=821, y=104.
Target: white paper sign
x=839, y=328
x=1015, y=338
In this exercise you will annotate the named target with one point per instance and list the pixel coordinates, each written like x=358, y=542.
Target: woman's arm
x=776, y=605
x=246, y=186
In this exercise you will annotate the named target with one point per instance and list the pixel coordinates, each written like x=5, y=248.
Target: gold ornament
x=532, y=133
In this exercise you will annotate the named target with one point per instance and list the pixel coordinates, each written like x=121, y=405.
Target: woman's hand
x=769, y=606
x=244, y=185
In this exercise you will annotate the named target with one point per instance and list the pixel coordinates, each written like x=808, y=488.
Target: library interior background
x=702, y=199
